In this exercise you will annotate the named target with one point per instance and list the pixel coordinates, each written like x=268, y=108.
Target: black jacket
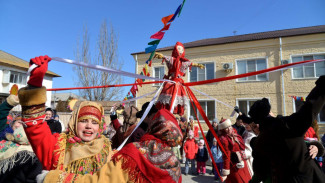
x=202, y=155
x=23, y=171
x=54, y=125
x=280, y=151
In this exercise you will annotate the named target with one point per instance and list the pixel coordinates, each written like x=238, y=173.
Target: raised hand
x=37, y=74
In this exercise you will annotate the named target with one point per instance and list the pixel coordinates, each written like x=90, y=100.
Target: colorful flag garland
x=158, y=36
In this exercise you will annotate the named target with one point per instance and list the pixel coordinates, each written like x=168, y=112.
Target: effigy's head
x=179, y=50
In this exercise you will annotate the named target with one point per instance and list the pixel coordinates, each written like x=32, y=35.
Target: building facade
x=13, y=70
x=240, y=54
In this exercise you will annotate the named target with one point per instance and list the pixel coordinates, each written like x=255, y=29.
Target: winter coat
x=234, y=174
x=240, y=129
x=217, y=154
x=210, y=137
x=55, y=126
x=5, y=107
x=202, y=155
x=190, y=148
x=280, y=151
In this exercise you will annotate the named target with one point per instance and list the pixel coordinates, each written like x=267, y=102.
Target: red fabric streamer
x=246, y=74
x=158, y=35
x=205, y=140
x=105, y=86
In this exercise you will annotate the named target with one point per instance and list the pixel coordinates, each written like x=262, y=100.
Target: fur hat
x=225, y=123
x=183, y=119
x=260, y=110
x=191, y=118
x=214, y=140
x=215, y=120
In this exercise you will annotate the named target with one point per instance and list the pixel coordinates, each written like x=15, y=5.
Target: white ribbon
x=106, y=69
x=136, y=98
x=143, y=116
x=31, y=68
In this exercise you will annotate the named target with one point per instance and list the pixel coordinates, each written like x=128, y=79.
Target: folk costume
x=235, y=165
x=173, y=95
x=64, y=151
x=150, y=160
x=280, y=151
x=5, y=107
x=18, y=162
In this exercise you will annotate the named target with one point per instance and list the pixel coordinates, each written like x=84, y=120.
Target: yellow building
x=239, y=54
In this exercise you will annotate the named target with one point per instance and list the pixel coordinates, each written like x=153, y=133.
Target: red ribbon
x=248, y=74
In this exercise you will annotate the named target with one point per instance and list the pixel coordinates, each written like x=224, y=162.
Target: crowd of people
x=261, y=147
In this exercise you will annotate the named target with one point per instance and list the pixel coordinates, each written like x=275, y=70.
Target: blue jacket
x=217, y=154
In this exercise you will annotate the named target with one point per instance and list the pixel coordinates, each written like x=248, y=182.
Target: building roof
x=13, y=61
x=249, y=37
x=65, y=96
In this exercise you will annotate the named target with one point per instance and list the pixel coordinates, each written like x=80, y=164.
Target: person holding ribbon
x=173, y=96
x=83, y=149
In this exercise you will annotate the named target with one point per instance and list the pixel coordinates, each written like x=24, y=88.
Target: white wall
x=5, y=87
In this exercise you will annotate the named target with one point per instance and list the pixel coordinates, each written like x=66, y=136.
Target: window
x=209, y=107
x=321, y=115
x=158, y=72
x=198, y=74
x=18, y=78
x=252, y=65
x=312, y=70
x=245, y=104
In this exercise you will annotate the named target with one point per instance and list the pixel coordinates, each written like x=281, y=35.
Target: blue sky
x=38, y=27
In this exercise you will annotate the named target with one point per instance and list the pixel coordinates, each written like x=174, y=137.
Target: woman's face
x=48, y=115
x=228, y=130
x=248, y=127
x=180, y=50
x=87, y=129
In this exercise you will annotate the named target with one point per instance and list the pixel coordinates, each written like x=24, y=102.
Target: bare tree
x=105, y=55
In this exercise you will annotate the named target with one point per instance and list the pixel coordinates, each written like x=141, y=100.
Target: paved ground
x=207, y=178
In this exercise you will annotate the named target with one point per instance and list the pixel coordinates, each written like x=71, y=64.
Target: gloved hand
x=37, y=75
x=113, y=117
x=158, y=55
x=236, y=108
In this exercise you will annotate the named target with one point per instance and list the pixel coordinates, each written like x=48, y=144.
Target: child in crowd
x=217, y=156
x=190, y=149
x=201, y=158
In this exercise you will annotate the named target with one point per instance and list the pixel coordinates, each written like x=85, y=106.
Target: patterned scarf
x=17, y=146
x=152, y=159
x=81, y=157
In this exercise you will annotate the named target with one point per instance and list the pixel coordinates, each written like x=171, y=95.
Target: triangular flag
x=158, y=35
x=166, y=27
x=150, y=63
x=151, y=55
x=166, y=19
x=179, y=14
x=142, y=75
x=140, y=82
x=133, y=91
x=151, y=48
x=154, y=42
x=176, y=13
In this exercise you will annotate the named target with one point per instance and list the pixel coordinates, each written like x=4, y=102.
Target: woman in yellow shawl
x=83, y=149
